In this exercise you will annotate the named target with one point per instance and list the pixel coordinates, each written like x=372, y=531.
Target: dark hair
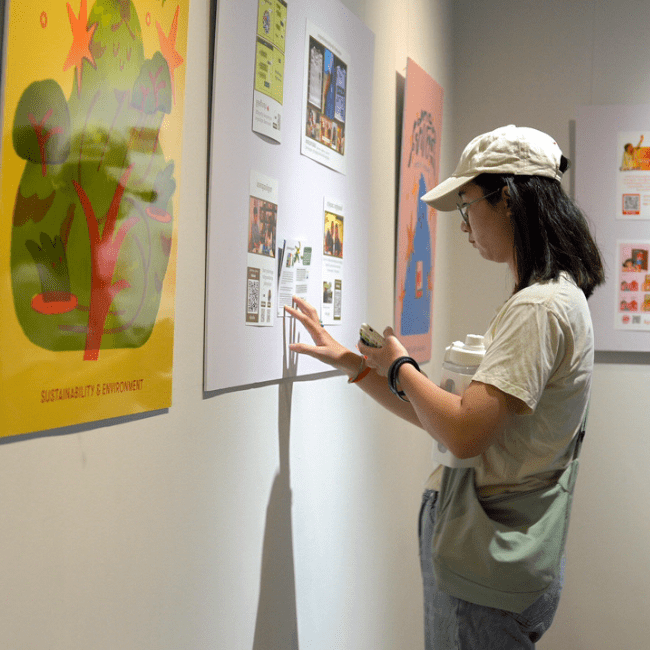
x=551, y=233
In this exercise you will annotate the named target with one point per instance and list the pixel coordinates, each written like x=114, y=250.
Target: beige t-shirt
x=540, y=349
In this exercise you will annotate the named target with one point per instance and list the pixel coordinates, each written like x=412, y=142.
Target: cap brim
x=444, y=196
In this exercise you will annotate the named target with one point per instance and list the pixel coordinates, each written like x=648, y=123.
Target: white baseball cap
x=507, y=150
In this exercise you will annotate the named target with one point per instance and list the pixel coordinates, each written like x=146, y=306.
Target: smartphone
x=370, y=337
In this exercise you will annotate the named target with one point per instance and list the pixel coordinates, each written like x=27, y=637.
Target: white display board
x=240, y=354
x=613, y=189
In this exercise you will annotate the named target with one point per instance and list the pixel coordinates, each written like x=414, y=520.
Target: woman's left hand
x=382, y=358
x=325, y=347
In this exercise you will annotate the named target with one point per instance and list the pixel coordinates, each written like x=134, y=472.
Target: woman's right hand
x=325, y=348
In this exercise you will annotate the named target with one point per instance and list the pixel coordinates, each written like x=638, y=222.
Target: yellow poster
x=91, y=152
x=269, y=68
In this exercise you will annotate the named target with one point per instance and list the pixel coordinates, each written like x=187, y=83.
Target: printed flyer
x=633, y=178
x=91, y=146
x=332, y=273
x=633, y=297
x=269, y=68
x=416, y=229
x=295, y=267
x=261, y=266
x=325, y=93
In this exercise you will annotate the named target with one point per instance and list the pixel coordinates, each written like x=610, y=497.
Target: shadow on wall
x=277, y=616
x=400, y=91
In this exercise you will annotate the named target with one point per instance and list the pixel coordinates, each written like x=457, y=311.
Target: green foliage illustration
x=92, y=223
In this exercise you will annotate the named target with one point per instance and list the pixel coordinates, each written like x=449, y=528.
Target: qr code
x=636, y=320
x=337, y=303
x=253, y=302
x=631, y=203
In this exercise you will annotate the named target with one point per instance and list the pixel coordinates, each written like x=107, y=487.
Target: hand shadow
x=276, y=627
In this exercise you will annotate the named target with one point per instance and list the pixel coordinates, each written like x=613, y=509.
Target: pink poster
x=416, y=222
x=633, y=296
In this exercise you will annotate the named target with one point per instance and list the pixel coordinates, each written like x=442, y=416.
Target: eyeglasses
x=462, y=207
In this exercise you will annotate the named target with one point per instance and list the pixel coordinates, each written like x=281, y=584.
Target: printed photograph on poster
x=261, y=264
x=633, y=176
x=294, y=270
x=325, y=94
x=416, y=236
x=332, y=272
x=90, y=174
x=269, y=68
x=633, y=298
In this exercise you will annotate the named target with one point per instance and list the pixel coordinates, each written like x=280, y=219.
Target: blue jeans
x=454, y=624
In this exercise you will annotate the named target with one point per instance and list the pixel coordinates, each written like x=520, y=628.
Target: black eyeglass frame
x=462, y=207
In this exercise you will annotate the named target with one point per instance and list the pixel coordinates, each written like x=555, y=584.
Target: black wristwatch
x=392, y=375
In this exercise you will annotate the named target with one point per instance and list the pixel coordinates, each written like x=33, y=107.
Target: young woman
x=524, y=409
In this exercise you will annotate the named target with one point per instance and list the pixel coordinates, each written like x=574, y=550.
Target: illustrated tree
x=418, y=282
x=93, y=217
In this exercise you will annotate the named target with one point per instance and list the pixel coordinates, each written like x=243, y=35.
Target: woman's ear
x=505, y=196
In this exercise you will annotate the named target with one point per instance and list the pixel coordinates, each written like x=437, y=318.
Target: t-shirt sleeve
x=528, y=345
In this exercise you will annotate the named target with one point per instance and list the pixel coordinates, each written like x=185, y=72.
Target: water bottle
x=458, y=367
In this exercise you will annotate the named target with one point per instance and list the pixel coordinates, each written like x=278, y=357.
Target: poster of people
x=633, y=277
x=261, y=265
x=633, y=178
x=269, y=68
x=416, y=236
x=325, y=94
x=91, y=146
x=332, y=273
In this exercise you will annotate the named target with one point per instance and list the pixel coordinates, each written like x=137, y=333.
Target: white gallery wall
x=531, y=63
x=269, y=519
x=285, y=516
